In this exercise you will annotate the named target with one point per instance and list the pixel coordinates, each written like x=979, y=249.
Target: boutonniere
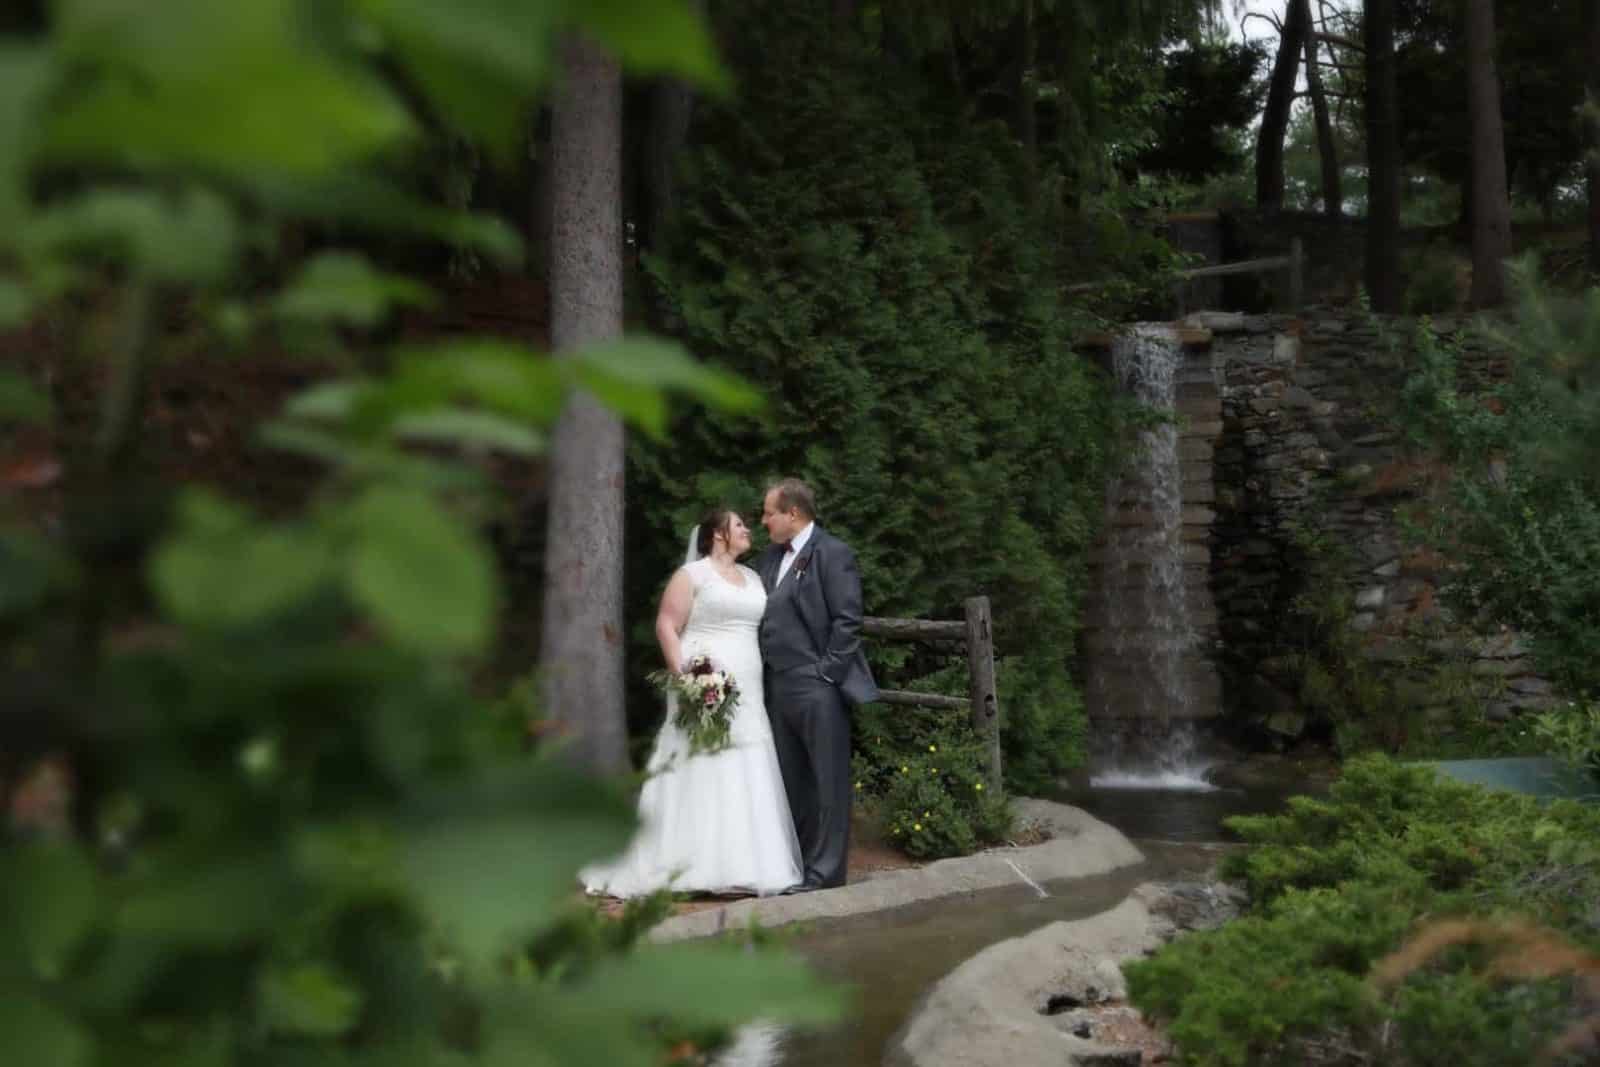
x=800, y=565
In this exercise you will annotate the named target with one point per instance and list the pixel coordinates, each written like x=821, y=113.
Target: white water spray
x=1147, y=613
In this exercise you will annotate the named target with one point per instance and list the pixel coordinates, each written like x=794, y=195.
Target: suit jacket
x=813, y=615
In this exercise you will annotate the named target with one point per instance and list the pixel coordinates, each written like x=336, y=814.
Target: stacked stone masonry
x=1290, y=438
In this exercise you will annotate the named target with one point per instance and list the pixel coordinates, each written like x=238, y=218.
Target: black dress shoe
x=798, y=887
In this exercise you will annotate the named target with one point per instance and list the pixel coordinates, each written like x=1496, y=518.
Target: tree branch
x=1340, y=40
x=1274, y=21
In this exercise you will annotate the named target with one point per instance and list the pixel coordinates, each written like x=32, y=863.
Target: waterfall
x=1144, y=672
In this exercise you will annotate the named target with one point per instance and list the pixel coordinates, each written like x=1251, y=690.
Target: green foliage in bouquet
x=1337, y=884
x=704, y=703
x=297, y=835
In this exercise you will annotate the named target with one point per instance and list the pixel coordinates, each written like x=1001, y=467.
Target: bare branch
x=1273, y=20
x=1340, y=40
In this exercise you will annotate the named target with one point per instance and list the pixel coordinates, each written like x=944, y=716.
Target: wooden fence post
x=980, y=665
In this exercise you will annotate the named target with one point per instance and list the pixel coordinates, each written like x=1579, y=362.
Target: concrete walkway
x=1080, y=846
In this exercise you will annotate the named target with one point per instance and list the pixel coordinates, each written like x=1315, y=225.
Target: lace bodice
x=723, y=610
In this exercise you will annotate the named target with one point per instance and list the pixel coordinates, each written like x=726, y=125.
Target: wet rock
x=1506, y=645
x=1218, y=321
x=1119, y=1057
x=1299, y=398
x=1500, y=668
x=1112, y=984
x=1203, y=905
x=1059, y=1003
x=1500, y=711
x=1290, y=724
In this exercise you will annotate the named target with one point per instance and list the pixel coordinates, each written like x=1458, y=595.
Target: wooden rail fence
x=982, y=701
x=1294, y=264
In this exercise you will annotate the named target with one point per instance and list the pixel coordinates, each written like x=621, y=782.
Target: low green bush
x=1337, y=884
x=921, y=777
x=1433, y=281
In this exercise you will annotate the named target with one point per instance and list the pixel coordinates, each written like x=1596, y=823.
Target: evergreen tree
x=850, y=239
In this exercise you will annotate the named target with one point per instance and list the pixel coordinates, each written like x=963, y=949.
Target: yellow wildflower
x=978, y=786
x=916, y=826
x=933, y=748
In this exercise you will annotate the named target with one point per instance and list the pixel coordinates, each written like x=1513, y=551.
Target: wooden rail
x=982, y=702
x=1294, y=263
x=913, y=629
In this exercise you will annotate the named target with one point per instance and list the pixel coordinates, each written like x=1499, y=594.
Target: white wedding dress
x=713, y=822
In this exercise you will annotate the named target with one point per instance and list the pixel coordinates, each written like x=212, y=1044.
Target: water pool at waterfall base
x=1187, y=802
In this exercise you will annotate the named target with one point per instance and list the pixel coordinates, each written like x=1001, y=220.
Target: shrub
x=922, y=777
x=1337, y=884
x=1433, y=281
x=1519, y=515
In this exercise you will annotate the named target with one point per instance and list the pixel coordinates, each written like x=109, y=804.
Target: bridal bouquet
x=706, y=699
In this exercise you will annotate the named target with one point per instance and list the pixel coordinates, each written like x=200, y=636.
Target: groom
x=811, y=649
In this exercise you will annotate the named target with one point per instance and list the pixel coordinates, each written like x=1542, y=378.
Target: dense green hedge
x=856, y=244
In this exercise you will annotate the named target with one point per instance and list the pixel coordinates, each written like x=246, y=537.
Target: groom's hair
x=793, y=493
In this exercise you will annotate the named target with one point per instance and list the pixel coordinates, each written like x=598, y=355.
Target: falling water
x=1146, y=602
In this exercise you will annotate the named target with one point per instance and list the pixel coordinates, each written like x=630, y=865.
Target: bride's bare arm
x=673, y=617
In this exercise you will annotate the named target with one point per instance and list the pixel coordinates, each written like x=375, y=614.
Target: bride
x=715, y=822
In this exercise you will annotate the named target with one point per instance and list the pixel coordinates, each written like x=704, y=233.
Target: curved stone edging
x=994, y=1008
x=1080, y=846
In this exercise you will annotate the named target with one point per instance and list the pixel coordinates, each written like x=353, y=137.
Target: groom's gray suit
x=811, y=649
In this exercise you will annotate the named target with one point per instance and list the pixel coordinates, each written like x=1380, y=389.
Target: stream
x=890, y=958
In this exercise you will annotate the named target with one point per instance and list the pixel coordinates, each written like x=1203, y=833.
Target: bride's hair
x=719, y=520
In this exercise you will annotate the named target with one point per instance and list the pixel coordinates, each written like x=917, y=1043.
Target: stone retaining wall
x=1296, y=478
x=1311, y=481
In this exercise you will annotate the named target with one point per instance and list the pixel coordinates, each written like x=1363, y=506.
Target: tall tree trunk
x=1025, y=41
x=1491, y=205
x=581, y=641
x=1327, y=148
x=1592, y=123
x=1383, y=157
x=1280, y=98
